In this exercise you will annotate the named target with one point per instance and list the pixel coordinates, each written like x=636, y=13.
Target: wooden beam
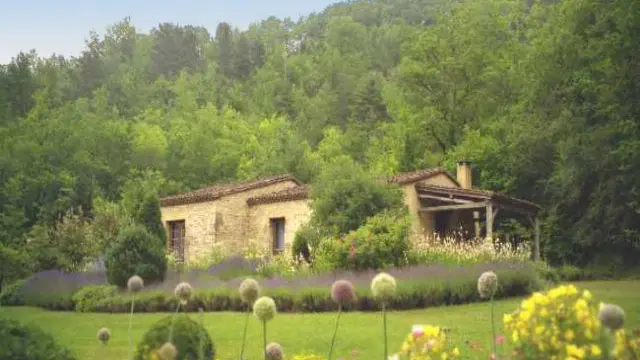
x=443, y=198
x=476, y=205
x=516, y=209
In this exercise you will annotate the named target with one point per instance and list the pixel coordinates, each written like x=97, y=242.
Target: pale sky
x=61, y=26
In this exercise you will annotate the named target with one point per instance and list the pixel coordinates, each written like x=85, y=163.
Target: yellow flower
x=575, y=351
x=524, y=316
x=569, y=335
x=595, y=350
x=456, y=352
x=507, y=318
x=515, y=336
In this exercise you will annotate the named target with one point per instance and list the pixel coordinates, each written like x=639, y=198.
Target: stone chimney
x=463, y=174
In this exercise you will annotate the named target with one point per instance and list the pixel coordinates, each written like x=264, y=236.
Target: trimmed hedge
x=418, y=287
x=87, y=297
x=415, y=293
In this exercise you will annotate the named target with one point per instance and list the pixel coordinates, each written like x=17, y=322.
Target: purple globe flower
x=343, y=292
x=274, y=351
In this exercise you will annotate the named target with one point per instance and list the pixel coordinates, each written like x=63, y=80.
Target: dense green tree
x=344, y=196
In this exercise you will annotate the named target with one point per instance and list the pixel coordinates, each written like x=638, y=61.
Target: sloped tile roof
x=299, y=192
x=418, y=175
x=214, y=192
x=303, y=191
x=477, y=194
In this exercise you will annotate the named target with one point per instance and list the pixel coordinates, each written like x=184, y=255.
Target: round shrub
x=86, y=298
x=135, y=252
x=28, y=342
x=189, y=337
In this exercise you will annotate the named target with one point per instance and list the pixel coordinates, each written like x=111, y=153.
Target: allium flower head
x=343, y=292
x=249, y=291
x=168, y=351
x=611, y=316
x=135, y=284
x=183, y=292
x=264, y=308
x=104, y=335
x=274, y=351
x=487, y=284
x=383, y=286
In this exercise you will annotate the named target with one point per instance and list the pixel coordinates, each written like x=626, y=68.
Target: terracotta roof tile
x=293, y=193
x=418, y=175
x=214, y=192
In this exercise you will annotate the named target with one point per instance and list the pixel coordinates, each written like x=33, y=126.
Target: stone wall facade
x=423, y=224
x=234, y=217
x=200, y=226
x=223, y=222
x=296, y=213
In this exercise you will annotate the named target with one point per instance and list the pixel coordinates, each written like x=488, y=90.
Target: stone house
x=269, y=211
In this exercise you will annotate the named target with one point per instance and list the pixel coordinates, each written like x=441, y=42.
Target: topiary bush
x=190, y=338
x=87, y=297
x=135, y=252
x=149, y=215
x=28, y=342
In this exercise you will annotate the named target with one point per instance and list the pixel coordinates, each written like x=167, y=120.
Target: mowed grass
x=310, y=333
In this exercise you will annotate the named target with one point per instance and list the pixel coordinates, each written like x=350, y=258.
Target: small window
x=277, y=226
x=177, y=239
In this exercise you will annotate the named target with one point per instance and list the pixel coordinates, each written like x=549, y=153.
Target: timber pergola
x=454, y=199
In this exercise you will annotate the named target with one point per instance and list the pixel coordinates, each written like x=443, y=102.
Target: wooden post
x=536, y=241
x=476, y=223
x=535, y=222
x=489, y=221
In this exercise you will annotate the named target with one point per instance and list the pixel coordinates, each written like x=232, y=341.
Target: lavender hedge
x=418, y=287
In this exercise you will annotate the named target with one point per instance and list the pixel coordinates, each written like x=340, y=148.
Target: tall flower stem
x=264, y=334
x=244, y=337
x=173, y=320
x=201, y=337
x=335, y=331
x=384, y=324
x=493, y=328
x=133, y=301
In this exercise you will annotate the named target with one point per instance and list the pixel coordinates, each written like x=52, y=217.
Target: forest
x=542, y=97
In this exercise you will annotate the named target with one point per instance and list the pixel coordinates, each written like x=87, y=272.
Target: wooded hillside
x=542, y=97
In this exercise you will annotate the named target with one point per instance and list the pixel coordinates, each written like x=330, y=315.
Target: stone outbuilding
x=269, y=211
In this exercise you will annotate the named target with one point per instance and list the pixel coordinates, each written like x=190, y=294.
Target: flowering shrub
x=561, y=323
x=381, y=243
x=427, y=342
x=627, y=348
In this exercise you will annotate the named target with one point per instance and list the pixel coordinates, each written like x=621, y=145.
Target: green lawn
x=309, y=332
